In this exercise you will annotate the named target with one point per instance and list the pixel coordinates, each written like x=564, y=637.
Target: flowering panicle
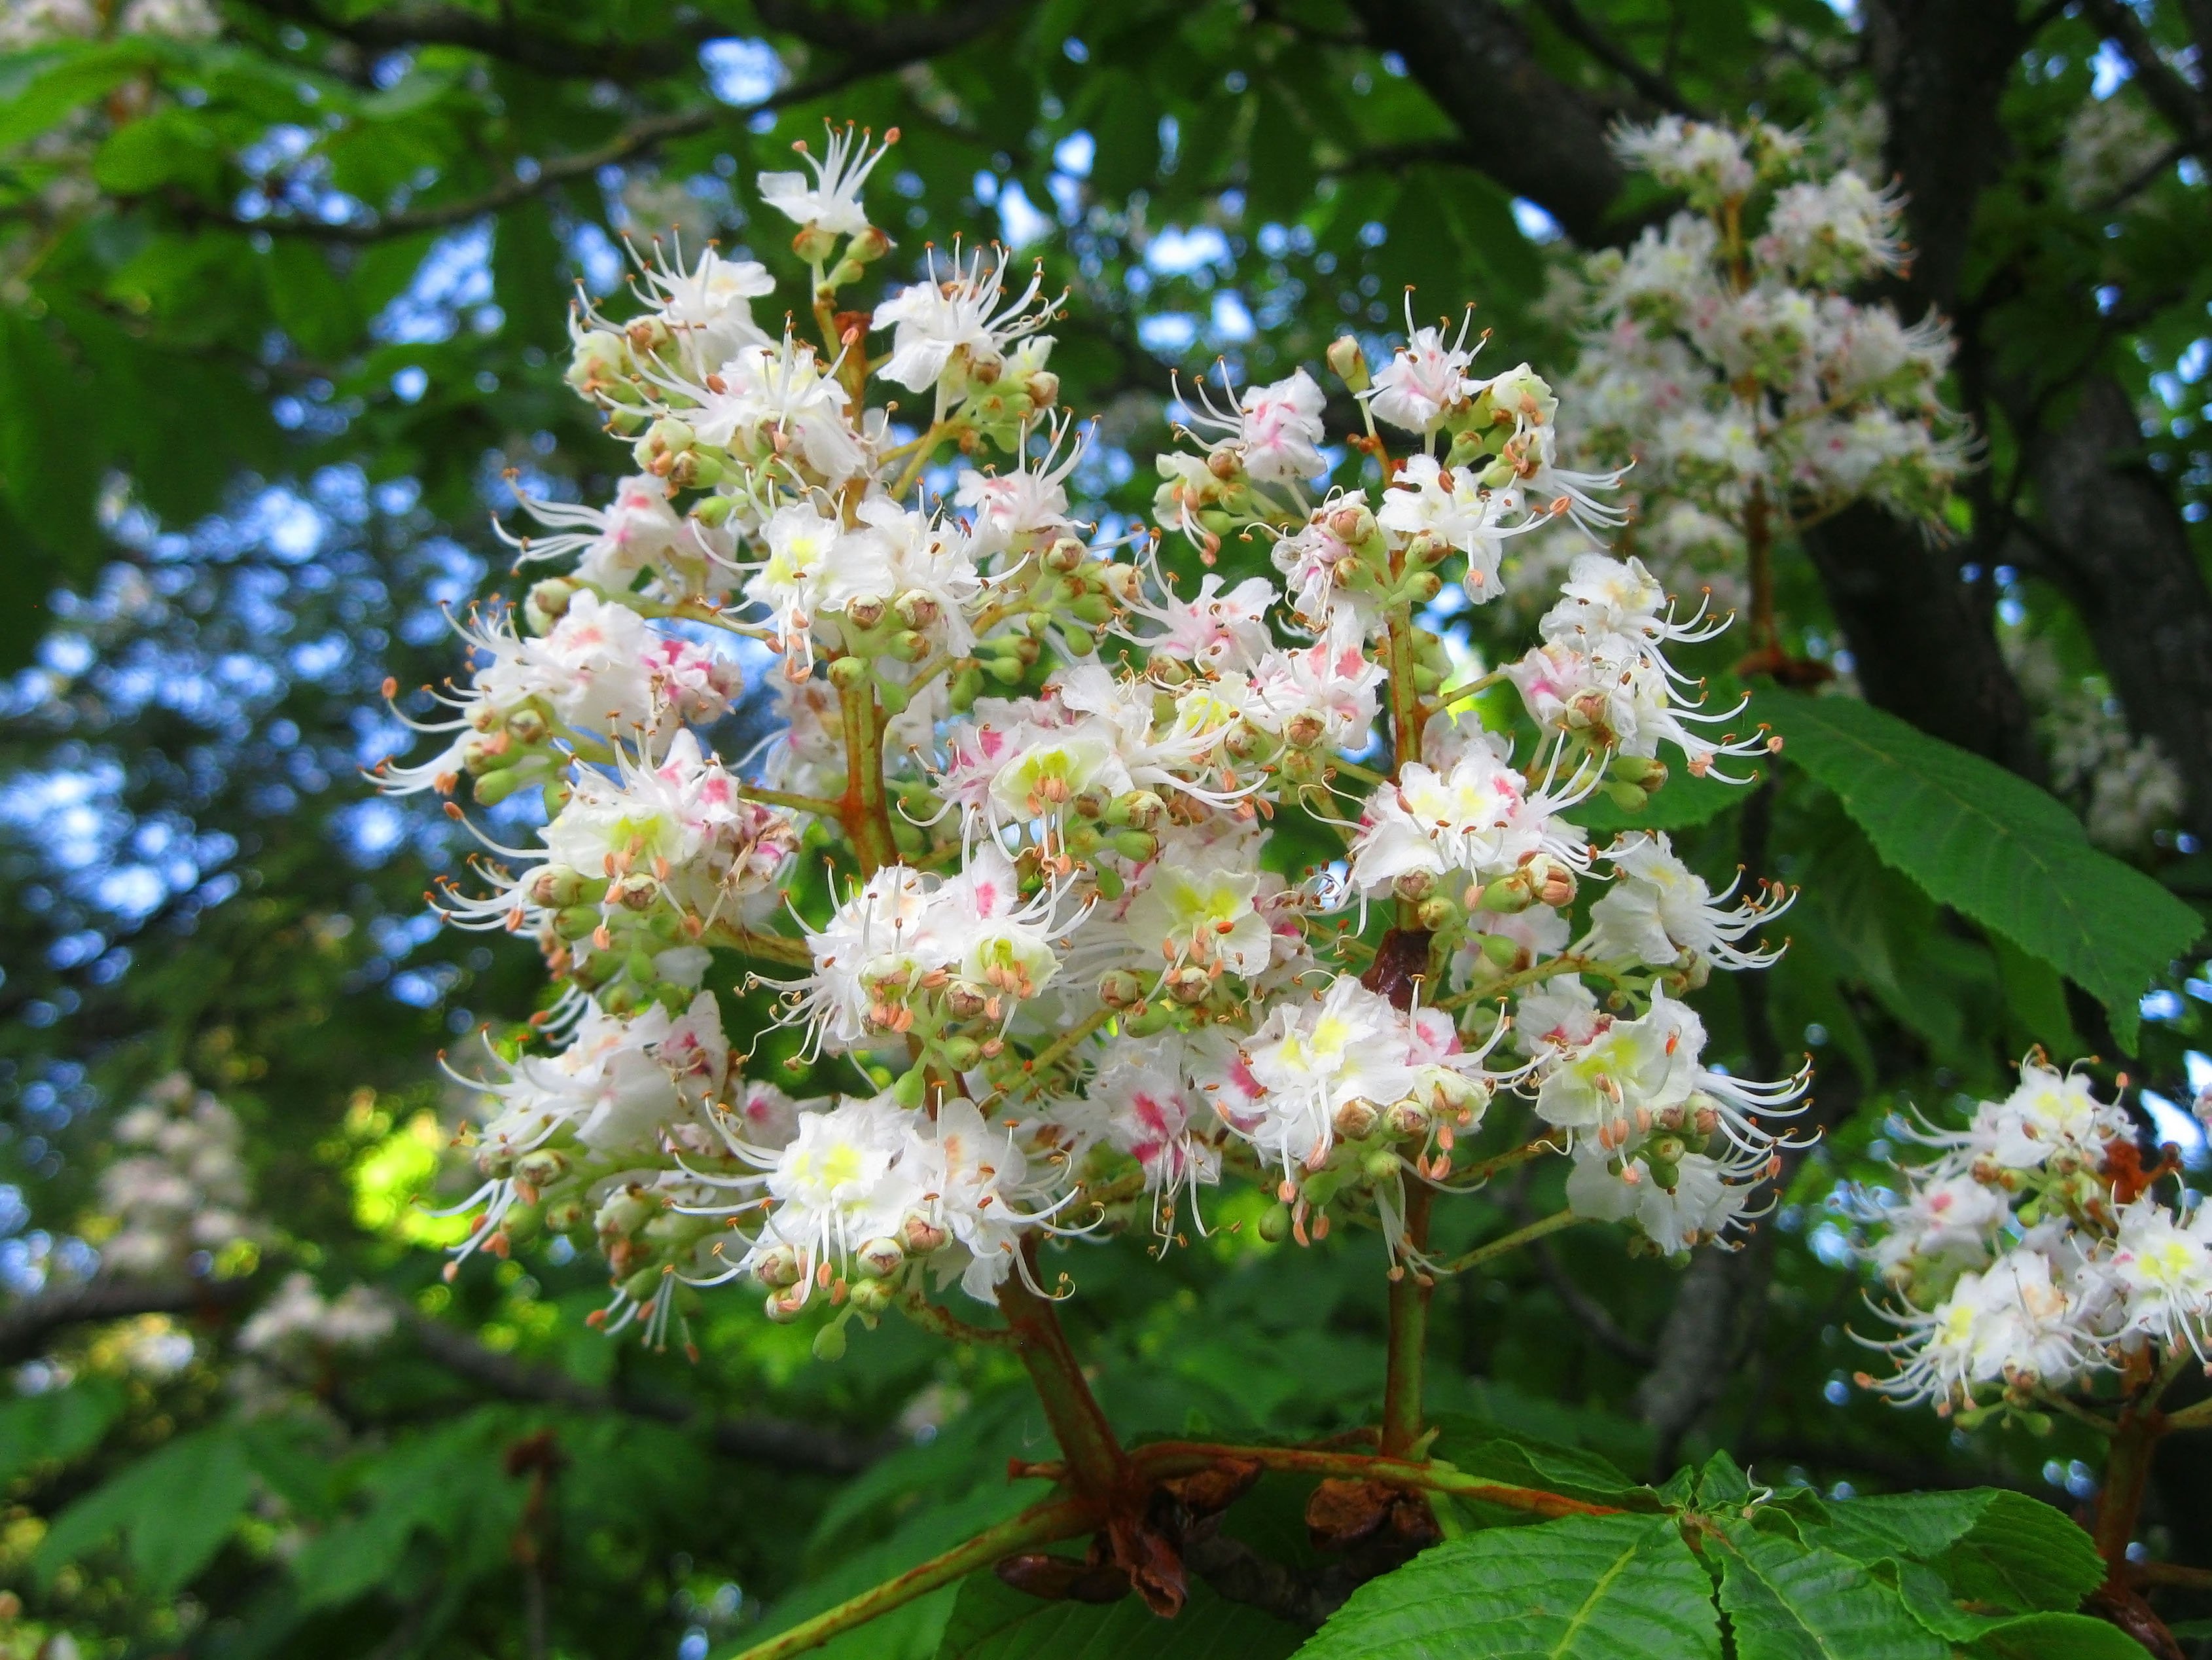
x=2034, y=1251
x=1723, y=356
x=1010, y=864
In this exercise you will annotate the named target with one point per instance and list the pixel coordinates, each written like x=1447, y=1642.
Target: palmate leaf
x=1587, y=1588
x=994, y=1621
x=175, y=1509
x=1992, y=847
x=1785, y=1601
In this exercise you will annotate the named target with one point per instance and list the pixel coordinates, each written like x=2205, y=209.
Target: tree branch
x=551, y=52
x=2185, y=105
x=26, y=1328
x=1584, y=31
x=874, y=50
x=773, y=1442
x=1537, y=137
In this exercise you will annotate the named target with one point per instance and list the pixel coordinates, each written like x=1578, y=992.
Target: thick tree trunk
x=2118, y=547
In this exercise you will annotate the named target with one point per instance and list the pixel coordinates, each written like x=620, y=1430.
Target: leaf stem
x=1513, y=1241
x=1165, y=1458
x=1040, y=1524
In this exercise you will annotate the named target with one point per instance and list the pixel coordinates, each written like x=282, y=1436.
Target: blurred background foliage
x=282, y=295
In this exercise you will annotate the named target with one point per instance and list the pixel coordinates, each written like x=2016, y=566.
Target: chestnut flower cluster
x=1723, y=356
x=2035, y=1250
x=1012, y=870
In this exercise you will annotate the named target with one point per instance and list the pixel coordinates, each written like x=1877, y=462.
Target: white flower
x=1477, y=817
x=299, y=1317
x=1424, y=379
x=1028, y=505
x=831, y=201
x=2163, y=1267
x=1445, y=502
x=1325, y=694
x=706, y=307
x=957, y=329
x=1313, y=1056
x=2050, y=1114
x=975, y=1178
x=635, y=532
x=1214, y=631
x=1690, y=1203
x=2013, y=1324
x=616, y=1088
x=1950, y=1221
x=1274, y=431
x=844, y=1181
x=1198, y=901
x=1660, y=912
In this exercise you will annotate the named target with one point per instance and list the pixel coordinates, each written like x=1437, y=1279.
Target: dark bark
x=1535, y=135
x=1922, y=642
x=2118, y=549
x=31, y=1325
x=770, y=1441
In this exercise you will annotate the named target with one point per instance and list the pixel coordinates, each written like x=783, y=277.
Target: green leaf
x=58, y=1425
x=1587, y=1588
x=1991, y=846
x=1470, y=1444
x=991, y=1621
x=2055, y=1636
x=1785, y=1601
x=174, y=1508
x=52, y=447
x=1921, y=1526
x=173, y=146
x=40, y=89
x=2025, y=1555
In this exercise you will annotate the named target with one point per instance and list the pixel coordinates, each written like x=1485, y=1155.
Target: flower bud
x=1407, y=1119
x=1044, y=389
x=865, y=613
x=548, y=603
x=783, y=1307
x=830, y=1342
x=1189, y=984
x=871, y=245
x=964, y=1002
x=639, y=890
x=813, y=244
x=1351, y=523
x=1275, y=1224
x=542, y=1168
x=917, y=610
x=848, y=672
x=1355, y=1120
x=779, y=1268
x=1136, y=844
x=554, y=886
x=880, y=1258
x=1119, y=988
x=1349, y=364
x=872, y=1296
x=922, y=1236
x=1379, y=1165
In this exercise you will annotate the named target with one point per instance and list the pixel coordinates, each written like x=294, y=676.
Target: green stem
x=1095, y=1463
x=1167, y=1458
x=1409, y=1331
x=769, y=947
x=865, y=809
x=1513, y=1241
x=942, y=1323
x=1040, y=1524
x=820, y=805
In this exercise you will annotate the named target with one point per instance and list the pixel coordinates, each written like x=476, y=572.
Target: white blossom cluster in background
x=2110, y=143
x=298, y=1323
x=178, y=1188
x=1722, y=356
x=1012, y=875
x=27, y=23
x=2035, y=1250
x=2126, y=788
